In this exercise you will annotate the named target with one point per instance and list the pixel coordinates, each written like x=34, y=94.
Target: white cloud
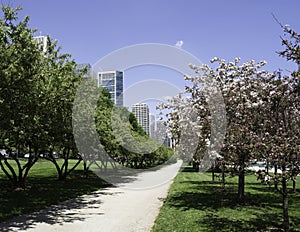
x=179, y=44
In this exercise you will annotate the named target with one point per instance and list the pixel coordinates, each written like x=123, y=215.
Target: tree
x=278, y=139
x=36, y=98
x=240, y=89
x=238, y=85
x=20, y=68
x=58, y=89
x=291, y=42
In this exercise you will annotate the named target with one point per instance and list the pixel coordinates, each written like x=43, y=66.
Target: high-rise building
x=113, y=82
x=141, y=112
x=41, y=41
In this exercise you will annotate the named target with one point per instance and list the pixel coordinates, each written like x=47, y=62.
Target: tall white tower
x=42, y=42
x=141, y=112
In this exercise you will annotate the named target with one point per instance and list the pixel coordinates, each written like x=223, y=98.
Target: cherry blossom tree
x=262, y=115
x=262, y=112
x=278, y=136
x=238, y=85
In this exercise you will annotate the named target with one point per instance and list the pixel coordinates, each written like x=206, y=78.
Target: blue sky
x=91, y=29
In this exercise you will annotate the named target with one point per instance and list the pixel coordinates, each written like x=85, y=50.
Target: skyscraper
x=141, y=112
x=113, y=82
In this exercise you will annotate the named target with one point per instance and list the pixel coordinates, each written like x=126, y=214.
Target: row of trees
x=37, y=92
x=262, y=115
x=36, y=95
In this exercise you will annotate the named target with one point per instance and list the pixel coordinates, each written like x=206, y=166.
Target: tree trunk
x=13, y=176
x=223, y=176
x=267, y=167
x=285, y=205
x=241, y=187
x=275, y=173
x=294, y=185
x=61, y=176
x=85, y=169
x=17, y=177
x=22, y=183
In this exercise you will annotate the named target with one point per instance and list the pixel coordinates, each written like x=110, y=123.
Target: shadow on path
x=66, y=212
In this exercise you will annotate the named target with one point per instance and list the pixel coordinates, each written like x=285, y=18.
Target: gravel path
x=125, y=208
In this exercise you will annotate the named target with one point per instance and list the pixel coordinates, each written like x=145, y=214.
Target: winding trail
x=124, y=208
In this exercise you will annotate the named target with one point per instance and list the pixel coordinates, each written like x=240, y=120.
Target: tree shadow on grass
x=206, y=199
x=207, y=196
x=212, y=201
x=269, y=222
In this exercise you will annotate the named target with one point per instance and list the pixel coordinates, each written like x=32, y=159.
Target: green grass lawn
x=43, y=189
x=195, y=203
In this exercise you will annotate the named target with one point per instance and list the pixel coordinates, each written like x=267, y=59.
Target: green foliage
x=21, y=63
x=37, y=90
